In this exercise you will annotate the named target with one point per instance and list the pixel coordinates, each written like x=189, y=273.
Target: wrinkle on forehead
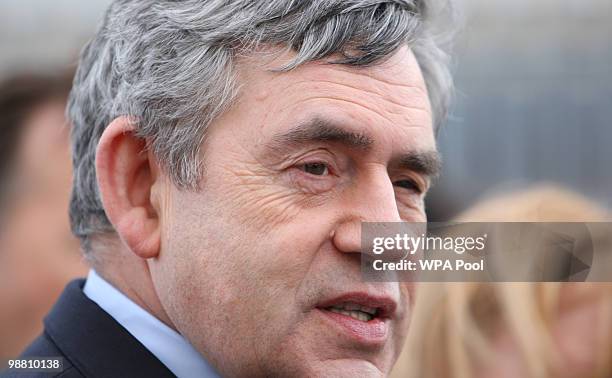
x=412, y=92
x=399, y=72
x=406, y=118
x=390, y=94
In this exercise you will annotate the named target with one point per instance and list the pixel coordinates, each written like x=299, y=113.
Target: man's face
x=251, y=266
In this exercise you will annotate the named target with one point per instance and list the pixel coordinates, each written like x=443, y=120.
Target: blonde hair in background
x=542, y=203
x=457, y=327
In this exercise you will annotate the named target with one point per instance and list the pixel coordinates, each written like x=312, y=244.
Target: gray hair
x=169, y=66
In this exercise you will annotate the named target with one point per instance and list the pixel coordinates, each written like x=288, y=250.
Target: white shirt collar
x=172, y=349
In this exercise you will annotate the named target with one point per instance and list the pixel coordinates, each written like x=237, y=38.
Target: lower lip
x=373, y=332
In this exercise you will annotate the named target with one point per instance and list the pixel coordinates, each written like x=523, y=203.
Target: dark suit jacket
x=90, y=341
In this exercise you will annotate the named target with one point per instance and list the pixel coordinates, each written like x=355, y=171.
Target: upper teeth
x=355, y=311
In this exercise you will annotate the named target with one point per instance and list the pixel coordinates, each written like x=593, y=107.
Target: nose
x=373, y=201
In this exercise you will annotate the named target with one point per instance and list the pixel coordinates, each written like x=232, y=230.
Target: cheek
x=407, y=290
x=578, y=335
x=219, y=252
x=264, y=208
x=246, y=192
x=258, y=199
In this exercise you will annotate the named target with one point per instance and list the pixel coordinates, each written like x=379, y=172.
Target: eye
x=316, y=169
x=408, y=184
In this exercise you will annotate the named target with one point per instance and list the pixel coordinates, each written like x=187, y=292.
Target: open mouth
x=355, y=311
x=362, y=317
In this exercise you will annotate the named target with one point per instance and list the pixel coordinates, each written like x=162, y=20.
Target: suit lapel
x=94, y=342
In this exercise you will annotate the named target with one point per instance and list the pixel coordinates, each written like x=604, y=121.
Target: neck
x=131, y=275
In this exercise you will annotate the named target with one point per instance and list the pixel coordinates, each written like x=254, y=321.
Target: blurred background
x=534, y=89
x=533, y=106
x=40, y=41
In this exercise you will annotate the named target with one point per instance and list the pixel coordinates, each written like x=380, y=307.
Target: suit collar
x=94, y=342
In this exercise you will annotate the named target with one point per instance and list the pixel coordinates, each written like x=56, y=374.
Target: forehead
x=387, y=100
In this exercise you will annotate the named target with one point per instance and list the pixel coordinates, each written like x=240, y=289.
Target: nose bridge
x=376, y=200
x=372, y=200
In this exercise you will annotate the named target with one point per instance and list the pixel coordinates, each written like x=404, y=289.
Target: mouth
x=362, y=317
x=355, y=311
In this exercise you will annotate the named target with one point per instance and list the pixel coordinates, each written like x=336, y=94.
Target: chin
x=347, y=368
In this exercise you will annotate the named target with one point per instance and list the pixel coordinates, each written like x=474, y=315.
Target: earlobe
x=126, y=174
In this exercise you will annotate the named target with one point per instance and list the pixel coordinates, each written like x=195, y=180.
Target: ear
x=127, y=176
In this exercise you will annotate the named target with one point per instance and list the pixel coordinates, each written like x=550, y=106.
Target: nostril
x=346, y=237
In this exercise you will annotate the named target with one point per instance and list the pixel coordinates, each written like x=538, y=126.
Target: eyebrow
x=427, y=163
x=320, y=130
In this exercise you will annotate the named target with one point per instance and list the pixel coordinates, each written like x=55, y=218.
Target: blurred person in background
x=508, y=330
x=38, y=254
